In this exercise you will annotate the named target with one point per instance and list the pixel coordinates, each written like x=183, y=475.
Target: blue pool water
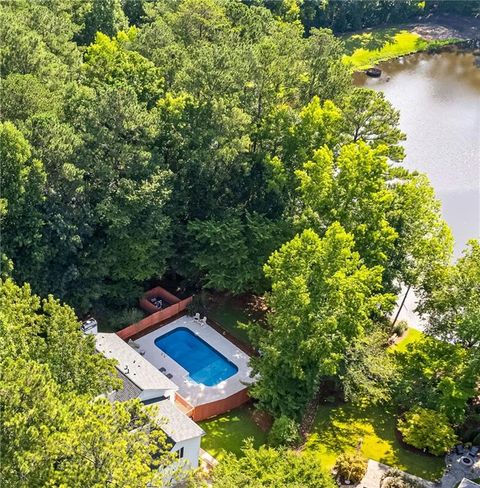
x=204, y=364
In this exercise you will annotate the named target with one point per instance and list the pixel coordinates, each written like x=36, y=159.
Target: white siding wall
x=191, y=450
x=150, y=394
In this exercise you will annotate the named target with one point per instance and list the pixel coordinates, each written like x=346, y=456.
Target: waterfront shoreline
x=428, y=33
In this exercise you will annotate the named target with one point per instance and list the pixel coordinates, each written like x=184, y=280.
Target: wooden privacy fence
x=158, y=291
x=212, y=409
x=154, y=320
x=158, y=318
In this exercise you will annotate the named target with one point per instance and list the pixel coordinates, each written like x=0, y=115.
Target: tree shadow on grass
x=370, y=40
x=227, y=432
x=372, y=430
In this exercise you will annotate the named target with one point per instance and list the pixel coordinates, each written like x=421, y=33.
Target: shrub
x=400, y=328
x=476, y=440
x=284, y=432
x=394, y=478
x=199, y=304
x=351, y=467
x=126, y=317
x=427, y=429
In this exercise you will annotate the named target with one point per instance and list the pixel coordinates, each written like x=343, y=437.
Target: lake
x=438, y=96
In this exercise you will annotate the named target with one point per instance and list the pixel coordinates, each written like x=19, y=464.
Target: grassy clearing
x=369, y=48
x=227, y=432
x=344, y=428
x=336, y=429
x=411, y=336
x=229, y=313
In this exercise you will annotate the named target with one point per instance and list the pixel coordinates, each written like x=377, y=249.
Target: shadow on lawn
x=229, y=431
x=370, y=40
x=371, y=429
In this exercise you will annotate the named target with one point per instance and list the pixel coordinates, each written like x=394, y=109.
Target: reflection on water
x=438, y=96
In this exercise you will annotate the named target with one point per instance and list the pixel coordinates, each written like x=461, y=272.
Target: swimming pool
x=203, y=363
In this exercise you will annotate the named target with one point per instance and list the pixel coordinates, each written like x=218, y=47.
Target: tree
x=37, y=39
x=329, y=78
x=23, y=96
x=230, y=252
x=22, y=181
x=323, y=298
x=109, y=61
x=369, y=117
x=59, y=439
x=268, y=467
x=351, y=467
x=105, y=16
x=368, y=371
x=199, y=21
x=451, y=302
x=351, y=188
x=425, y=242
x=392, y=213
x=49, y=333
x=105, y=210
x=437, y=375
x=427, y=429
x=57, y=429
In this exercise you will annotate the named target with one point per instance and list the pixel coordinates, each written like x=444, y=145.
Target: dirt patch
x=262, y=419
x=446, y=26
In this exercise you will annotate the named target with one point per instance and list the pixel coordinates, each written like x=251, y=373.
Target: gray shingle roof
x=132, y=364
x=468, y=484
x=175, y=423
x=130, y=390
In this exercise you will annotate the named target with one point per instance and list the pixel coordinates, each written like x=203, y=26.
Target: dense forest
x=223, y=144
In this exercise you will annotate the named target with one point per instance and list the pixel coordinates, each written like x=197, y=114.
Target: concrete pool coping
x=196, y=393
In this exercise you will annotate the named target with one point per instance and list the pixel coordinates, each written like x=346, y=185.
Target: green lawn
x=227, y=432
x=336, y=430
x=368, y=48
x=340, y=429
x=411, y=336
x=229, y=314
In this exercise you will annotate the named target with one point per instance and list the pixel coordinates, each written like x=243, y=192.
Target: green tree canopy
x=451, y=302
x=55, y=428
x=437, y=375
x=323, y=298
x=271, y=468
x=427, y=429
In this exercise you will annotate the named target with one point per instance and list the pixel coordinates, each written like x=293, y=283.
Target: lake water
x=438, y=96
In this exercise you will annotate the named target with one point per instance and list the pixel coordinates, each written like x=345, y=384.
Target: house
x=143, y=381
x=466, y=483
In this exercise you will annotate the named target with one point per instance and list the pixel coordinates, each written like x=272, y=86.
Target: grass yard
x=344, y=428
x=411, y=336
x=229, y=314
x=227, y=432
x=368, y=48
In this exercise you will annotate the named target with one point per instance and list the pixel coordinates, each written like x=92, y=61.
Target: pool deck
x=195, y=393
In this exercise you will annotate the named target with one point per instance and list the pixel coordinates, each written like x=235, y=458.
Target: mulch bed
x=262, y=419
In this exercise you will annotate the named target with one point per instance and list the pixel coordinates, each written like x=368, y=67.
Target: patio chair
x=474, y=451
x=169, y=376
x=203, y=321
x=133, y=344
x=162, y=369
x=196, y=317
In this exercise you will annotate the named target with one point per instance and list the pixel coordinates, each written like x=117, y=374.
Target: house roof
x=132, y=364
x=465, y=483
x=175, y=423
x=129, y=391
